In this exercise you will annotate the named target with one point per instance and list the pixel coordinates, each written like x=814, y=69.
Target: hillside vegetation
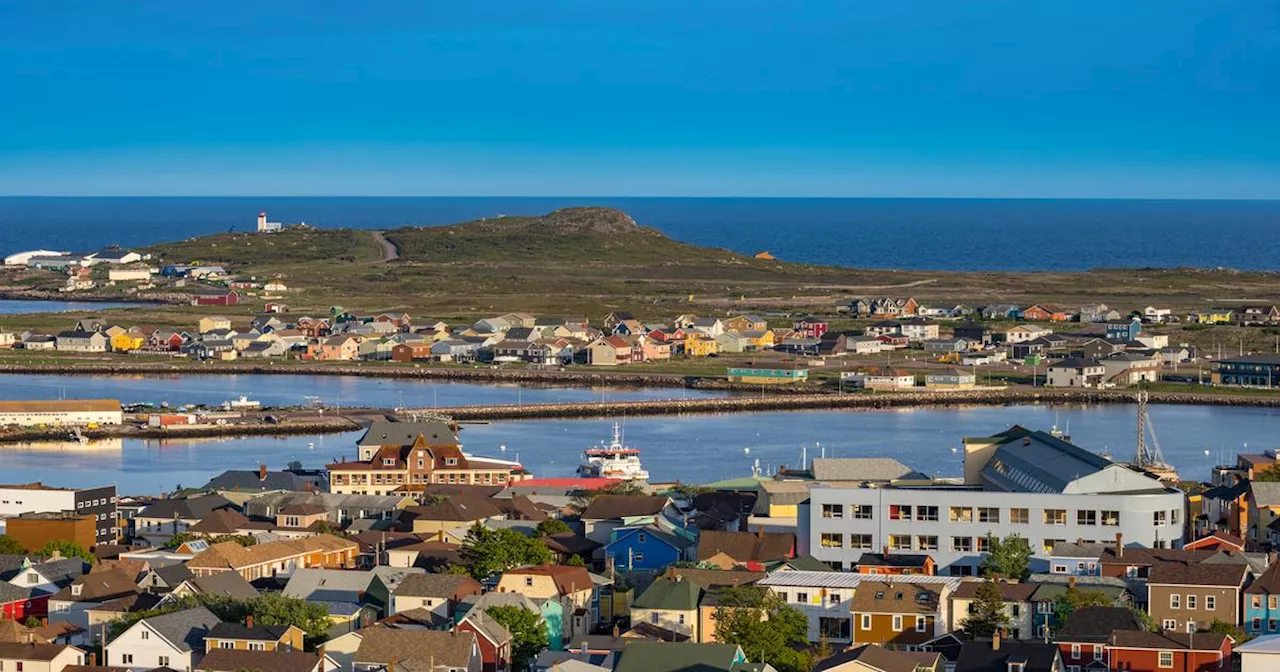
x=295, y=245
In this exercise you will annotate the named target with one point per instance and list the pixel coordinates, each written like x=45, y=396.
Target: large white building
x=1021, y=482
x=61, y=413
x=21, y=258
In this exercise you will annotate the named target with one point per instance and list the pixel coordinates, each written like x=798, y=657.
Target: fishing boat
x=615, y=460
x=242, y=404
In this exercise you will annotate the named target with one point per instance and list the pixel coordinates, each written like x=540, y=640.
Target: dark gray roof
x=1094, y=625
x=980, y=657
x=405, y=433
x=189, y=508
x=230, y=584
x=249, y=481
x=861, y=469
x=435, y=585
x=173, y=575
x=184, y=629
x=1039, y=462
x=258, y=633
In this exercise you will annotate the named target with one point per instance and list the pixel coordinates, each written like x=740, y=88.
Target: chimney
x=248, y=621
x=1119, y=545
x=262, y=472
x=1071, y=581
x=93, y=660
x=884, y=550
x=995, y=641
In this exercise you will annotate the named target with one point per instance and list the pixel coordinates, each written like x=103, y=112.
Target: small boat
x=615, y=460
x=242, y=404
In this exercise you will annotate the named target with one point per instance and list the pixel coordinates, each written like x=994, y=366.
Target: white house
x=26, y=657
x=1076, y=372
x=174, y=640
x=129, y=274
x=1153, y=314
x=1025, y=332
x=1260, y=655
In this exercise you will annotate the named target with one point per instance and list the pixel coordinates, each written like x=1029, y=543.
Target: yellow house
x=207, y=324
x=696, y=346
x=127, y=342
x=761, y=339
x=249, y=638
x=1213, y=316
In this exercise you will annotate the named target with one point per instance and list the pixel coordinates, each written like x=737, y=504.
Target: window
x=640, y=538
x=1110, y=518
x=921, y=623
x=862, y=541
x=984, y=544
x=833, y=510
x=637, y=557
x=1271, y=625
x=1050, y=543
x=1257, y=624
x=146, y=634
x=126, y=658
x=926, y=513
x=899, y=512
x=1097, y=652
x=1175, y=601
x=802, y=598
x=1272, y=601
x=1019, y=516
x=961, y=514
x=1059, y=568
x=681, y=619
x=961, y=544
x=832, y=540
x=528, y=581
x=653, y=617
x=1159, y=518
x=897, y=622
x=833, y=599
x=1174, y=515
x=866, y=621
x=900, y=542
x=226, y=645
x=1191, y=601
x=1044, y=607
x=1075, y=652
x=1255, y=601
x=1166, y=659
x=988, y=514
x=1168, y=624
x=450, y=461
x=257, y=646
x=927, y=542
x=387, y=462
x=862, y=512
x=1055, y=516
x=1086, y=517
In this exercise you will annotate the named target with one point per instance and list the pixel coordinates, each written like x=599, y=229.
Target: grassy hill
x=570, y=235
x=296, y=245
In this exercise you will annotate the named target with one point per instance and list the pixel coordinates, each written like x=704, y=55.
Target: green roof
x=642, y=656
x=671, y=595
x=808, y=563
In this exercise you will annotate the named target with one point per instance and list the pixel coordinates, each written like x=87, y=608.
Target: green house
x=768, y=375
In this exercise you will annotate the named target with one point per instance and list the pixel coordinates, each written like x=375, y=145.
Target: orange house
x=895, y=614
x=897, y=564
x=339, y=348
x=1045, y=312
x=273, y=558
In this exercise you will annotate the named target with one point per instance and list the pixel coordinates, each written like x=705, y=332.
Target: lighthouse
x=267, y=227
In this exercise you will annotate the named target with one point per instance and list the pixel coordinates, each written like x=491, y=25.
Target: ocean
x=938, y=234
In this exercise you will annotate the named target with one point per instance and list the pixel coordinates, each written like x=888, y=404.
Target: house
x=1098, y=312
x=227, y=584
x=174, y=640
x=382, y=648
x=646, y=548
x=1262, y=603
x=39, y=657
x=1017, y=598
x=495, y=641
x=251, y=637
x=1142, y=650
x=1000, y=655
x=348, y=590
x=239, y=660
x=953, y=344
x=275, y=558
x=82, y=341
x=164, y=518
x=897, y=614
x=699, y=346
x=1257, y=315
x=975, y=333
x=880, y=379
x=641, y=656
x=1045, y=312
x=919, y=329
x=709, y=327
x=215, y=297
x=1076, y=558
x=983, y=357
x=863, y=345
x=811, y=327
x=1131, y=368
x=1124, y=331
x=87, y=591
x=897, y=564
x=438, y=593
x=776, y=374
x=1260, y=655
x=884, y=328
x=1083, y=638
x=609, y=351
x=606, y=512
x=1025, y=332
x=744, y=323
x=752, y=549
x=566, y=595
x=1001, y=311
x=1212, y=316
x=1184, y=596
x=1076, y=372
x=671, y=604
x=953, y=379
x=873, y=658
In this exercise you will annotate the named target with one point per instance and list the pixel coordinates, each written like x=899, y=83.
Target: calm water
x=9, y=307
x=694, y=449
x=285, y=390
x=948, y=234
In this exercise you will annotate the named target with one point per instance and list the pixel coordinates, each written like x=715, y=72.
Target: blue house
x=1124, y=331
x=1075, y=559
x=1262, y=603
x=646, y=548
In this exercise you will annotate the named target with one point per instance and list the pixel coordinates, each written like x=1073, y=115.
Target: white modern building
x=1019, y=482
x=22, y=258
x=61, y=413
x=17, y=499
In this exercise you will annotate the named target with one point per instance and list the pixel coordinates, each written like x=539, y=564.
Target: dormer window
x=76, y=589
x=450, y=461
x=387, y=461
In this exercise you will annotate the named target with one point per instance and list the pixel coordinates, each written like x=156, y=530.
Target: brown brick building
x=34, y=530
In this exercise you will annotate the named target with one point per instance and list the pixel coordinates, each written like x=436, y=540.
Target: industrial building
x=61, y=413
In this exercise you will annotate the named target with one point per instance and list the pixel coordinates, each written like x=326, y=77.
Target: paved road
x=389, y=250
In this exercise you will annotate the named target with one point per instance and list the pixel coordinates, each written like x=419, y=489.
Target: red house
x=1045, y=312
x=18, y=603
x=1141, y=651
x=897, y=564
x=216, y=297
x=493, y=639
x=811, y=328
x=1216, y=541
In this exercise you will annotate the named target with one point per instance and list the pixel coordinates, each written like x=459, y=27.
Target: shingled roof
x=239, y=660
x=611, y=507
x=1094, y=625
x=746, y=546
x=418, y=649
x=450, y=586
x=1197, y=574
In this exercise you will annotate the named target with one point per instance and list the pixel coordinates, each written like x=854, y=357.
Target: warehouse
x=66, y=412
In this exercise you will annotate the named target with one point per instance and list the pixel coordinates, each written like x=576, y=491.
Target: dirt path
x=389, y=250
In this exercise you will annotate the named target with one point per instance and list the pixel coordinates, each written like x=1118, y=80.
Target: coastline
x=357, y=418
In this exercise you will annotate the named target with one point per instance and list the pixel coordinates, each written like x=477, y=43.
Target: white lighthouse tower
x=266, y=227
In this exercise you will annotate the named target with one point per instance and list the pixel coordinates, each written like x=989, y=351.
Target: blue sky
x=1173, y=99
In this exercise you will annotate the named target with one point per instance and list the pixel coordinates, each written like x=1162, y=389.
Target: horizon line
x=675, y=197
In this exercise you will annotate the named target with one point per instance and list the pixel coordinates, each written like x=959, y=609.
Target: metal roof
x=848, y=579
x=1039, y=462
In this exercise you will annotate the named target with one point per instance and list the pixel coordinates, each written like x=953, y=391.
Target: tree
x=267, y=609
x=183, y=537
x=986, y=612
x=765, y=627
x=10, y=547
x=1234, y=631
x=487, y=552
x=68, y=549
x=1145, y=618
x=581, y=499
x=528, y=634
x=1009, y=557
x=551, y=526
x=575, y=561
x=1073, y=599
